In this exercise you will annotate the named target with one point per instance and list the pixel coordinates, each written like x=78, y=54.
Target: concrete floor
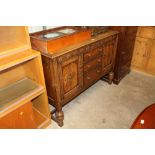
x=105, y=106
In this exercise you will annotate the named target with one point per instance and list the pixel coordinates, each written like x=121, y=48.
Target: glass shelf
x=67, y=31
x=17, y=92
x=52, y=35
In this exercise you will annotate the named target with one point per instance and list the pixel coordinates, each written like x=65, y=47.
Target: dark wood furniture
x=125, y=49
x=70, y=71
x=146, y=119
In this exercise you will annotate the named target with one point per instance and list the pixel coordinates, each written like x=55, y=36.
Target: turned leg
x=59, y=115
x=110, y=77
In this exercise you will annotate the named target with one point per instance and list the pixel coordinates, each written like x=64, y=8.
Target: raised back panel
x=11, y=75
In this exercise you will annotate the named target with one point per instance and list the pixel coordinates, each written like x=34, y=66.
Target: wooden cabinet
x=141, y=51
x=125, y=49
x=146, y=32
x=143, y=57
x=72, y=70
x=23, y=98
x=151, y=56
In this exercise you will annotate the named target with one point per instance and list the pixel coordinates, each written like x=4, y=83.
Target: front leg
x=59, y=116
x=110, y=77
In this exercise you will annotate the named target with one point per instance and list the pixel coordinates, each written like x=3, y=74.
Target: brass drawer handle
x=88, y=77
x=98, y=71
x=99, y=60
x=88, y=66
x=100, y=49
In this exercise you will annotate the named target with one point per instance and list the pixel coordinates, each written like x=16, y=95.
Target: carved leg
x=110, y=77
x=59, y=117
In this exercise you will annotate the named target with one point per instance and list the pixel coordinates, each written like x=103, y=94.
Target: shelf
x=25, y=117
x=18, y=93
x=23, y=97
x=10, y=49
x=13, y=39
x=12, y=60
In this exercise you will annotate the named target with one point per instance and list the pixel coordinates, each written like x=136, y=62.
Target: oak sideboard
x=71, y=70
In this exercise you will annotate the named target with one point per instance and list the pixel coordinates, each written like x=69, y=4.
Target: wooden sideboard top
x=71, y=48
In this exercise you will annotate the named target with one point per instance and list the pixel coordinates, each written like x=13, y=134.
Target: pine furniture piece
x=73, y=69
x=144, y=51
x=23, y=97
x=125, y=49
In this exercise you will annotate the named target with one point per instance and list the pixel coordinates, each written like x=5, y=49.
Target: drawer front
x=92, y=54
x=93, y=64
x=92, y=76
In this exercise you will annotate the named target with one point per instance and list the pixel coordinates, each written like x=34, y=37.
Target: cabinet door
x=141, y=52
x=151, y=61
x=108, y=55
x=70, y=75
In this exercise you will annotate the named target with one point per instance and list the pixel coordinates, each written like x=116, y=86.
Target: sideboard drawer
x=92, y=76
x=93, y=64
x=92, y=54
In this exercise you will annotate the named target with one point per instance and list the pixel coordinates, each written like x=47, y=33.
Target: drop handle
x=99, y=60
x=100, y=50
x=88, y=66
x=123, y=52
x=88, y=77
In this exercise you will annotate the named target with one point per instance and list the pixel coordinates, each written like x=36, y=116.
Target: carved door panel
x=108, y=54
x=70, y=75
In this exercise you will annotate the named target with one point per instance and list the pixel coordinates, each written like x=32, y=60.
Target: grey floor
x=105, y=106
